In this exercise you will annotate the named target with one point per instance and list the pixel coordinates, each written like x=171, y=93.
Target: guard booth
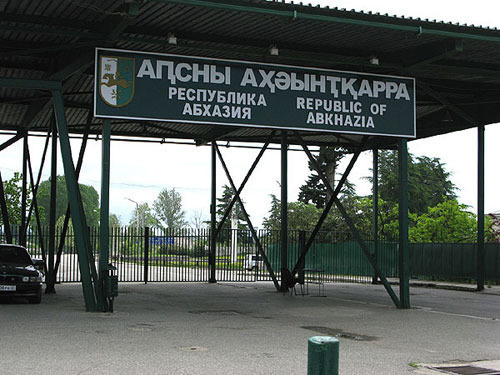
x=247, y=71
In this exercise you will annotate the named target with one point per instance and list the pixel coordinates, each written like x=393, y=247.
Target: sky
x=140, y=171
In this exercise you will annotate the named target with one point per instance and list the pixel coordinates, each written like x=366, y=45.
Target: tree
x=223, y=204
x=428, y=182
x=314, y=190
x=90, y=200
x=142, y=216
x=301, y=216
x=168, y=209
x=114, y=221
x=197, y=221
x=448, y=221
x=13, y=197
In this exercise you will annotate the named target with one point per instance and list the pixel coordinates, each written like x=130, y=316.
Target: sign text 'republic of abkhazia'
x=147, y=86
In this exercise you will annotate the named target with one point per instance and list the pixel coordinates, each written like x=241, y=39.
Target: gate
x=182, y=255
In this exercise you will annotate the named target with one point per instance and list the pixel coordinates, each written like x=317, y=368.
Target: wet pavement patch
x=467, y=370
x=340, y=333
x=193, y=349
x=141, y=327
x=216, y=312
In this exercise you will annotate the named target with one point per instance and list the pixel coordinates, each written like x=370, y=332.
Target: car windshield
x=14, y=256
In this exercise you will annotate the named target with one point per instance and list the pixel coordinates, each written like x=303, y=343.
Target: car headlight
x=26, y=279
x=35, y=279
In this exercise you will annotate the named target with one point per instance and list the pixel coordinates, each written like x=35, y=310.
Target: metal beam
x=5, y=212
x=85, y=255
x=213, y=218
x=284, y=211
x=296, y=15
x=334, y=193
x=51, y=278
x=36, y=84
x=34, y=204
x=11, y=141
x=238, y=192
x=480, y=209
x=249, y=222
x=375, y=209
x=68, y=210
x=367, y=253
x=404, y=258
x=24, y=193
x=429, y=91
x=104, y=218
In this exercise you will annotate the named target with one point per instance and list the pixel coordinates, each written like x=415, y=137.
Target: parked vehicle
x=18, y=274
x=253, y=262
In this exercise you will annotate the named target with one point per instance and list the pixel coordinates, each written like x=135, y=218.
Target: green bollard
x=323, y=356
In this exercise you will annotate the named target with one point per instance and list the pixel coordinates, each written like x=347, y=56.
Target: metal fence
x=154, y=254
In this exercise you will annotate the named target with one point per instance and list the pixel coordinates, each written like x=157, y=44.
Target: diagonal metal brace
x=252, y=229
x=68, y=210
x=334, y=193
x=34, y=186
x=366, y=250
x=34, y=204
x=245, y=180
x=348, y=219
x=5, y=213
x=11, y=141
x=429, y=91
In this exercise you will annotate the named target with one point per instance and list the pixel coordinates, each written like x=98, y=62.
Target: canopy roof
x=456, y=66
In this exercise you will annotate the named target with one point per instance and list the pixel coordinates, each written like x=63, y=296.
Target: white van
x=253, y=262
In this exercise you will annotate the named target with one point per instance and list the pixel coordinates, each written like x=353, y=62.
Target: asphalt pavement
x=246, y=328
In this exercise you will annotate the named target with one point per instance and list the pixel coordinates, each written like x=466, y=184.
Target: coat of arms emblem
x=117, y=80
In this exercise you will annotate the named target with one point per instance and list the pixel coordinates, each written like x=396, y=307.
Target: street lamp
x=136, y=212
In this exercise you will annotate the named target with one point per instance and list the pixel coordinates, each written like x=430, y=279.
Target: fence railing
x=154, y=254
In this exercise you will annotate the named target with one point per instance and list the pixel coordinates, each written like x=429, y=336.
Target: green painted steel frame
x=480, y=209
x=104, y=214
x=375, y=208
x=404, y=257
x=348, y=220
x=255, y=237
x=91, y=288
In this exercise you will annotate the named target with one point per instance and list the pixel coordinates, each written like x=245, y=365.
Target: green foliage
x=428, y=182
x=69, y=241
x=168, y=209
x=143, y=217
x=114, y=221
x=13, y=197
x=448, y=221
x=223, y=204
x=301, y=216
x=314, y=190
x=90, y=200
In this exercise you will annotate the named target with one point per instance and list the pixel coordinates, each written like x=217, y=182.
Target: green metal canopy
x=455, y=66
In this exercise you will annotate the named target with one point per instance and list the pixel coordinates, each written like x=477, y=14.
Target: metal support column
x=85, y=255
x=284, y=211
x=213, y=224
x=375, y=210
x=104, y=214
x=404, y=259
x=5, y=212
x=24, y=193
x=51, y=279
x=480, y=208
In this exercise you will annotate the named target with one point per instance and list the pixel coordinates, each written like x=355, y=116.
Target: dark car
x=18, y=275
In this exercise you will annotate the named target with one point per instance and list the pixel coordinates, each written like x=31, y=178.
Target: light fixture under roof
x=374, y=60
x=171, y=39
x=273, y=50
